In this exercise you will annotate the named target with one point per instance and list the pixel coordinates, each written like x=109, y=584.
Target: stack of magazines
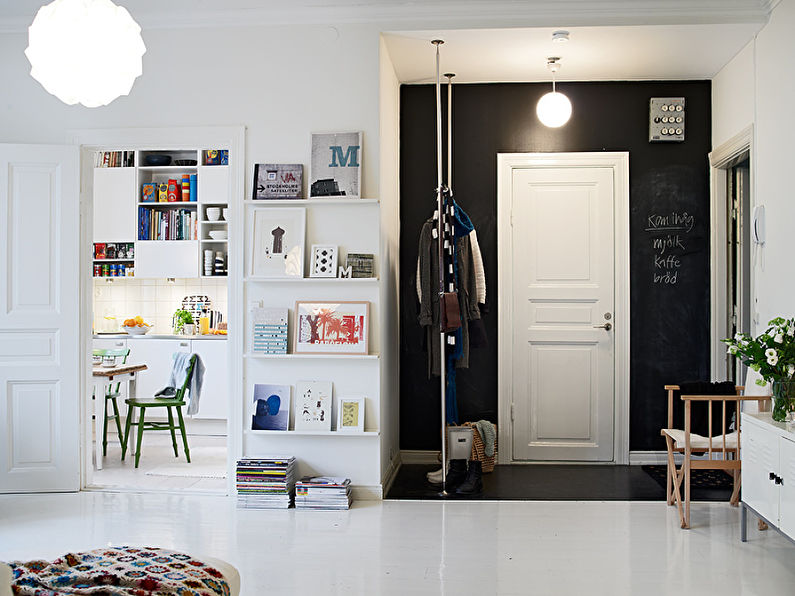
x=265, y=483
x=323, y=492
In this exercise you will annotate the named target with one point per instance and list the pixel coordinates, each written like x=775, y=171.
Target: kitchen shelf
x=324, y=280
x=207, y=221
x=167, y=203
x=299, y=202
x=311, y=356
x=322, y=433
x=114, y=260
x=166, y=168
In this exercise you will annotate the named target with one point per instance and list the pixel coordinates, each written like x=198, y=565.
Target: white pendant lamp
x=85, y=51
x=554, y=108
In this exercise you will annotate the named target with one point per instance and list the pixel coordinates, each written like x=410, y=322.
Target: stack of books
x=323, y=492
x=265, y=483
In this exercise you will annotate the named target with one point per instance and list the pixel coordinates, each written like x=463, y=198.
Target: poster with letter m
x=336, y=168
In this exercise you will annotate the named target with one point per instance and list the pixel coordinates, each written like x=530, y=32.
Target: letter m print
x=349, y=159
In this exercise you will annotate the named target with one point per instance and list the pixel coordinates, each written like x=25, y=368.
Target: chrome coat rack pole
x=449, y=76
x=440, y=241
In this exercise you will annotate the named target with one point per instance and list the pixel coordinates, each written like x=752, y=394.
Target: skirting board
x=416, y=456
x=391, y=473
x=652, y=458
x=367, y=492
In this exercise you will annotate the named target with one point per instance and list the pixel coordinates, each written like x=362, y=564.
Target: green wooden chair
x=111, y=395
x=143, y=404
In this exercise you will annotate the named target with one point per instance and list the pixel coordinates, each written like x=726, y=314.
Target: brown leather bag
x=451, y=312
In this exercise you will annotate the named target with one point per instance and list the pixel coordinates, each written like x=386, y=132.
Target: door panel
x=760, y=453
x=787, y=489
x=39, y=334
x=563, y=271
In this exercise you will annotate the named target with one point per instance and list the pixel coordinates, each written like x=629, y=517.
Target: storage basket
x=479, y=451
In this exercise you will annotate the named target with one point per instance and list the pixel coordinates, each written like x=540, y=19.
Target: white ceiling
x=493, y=40
x=592, y=54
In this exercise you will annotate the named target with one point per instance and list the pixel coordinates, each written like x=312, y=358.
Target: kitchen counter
x=123, y=335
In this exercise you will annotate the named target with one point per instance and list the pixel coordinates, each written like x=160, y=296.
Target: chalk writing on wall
x=669, y=236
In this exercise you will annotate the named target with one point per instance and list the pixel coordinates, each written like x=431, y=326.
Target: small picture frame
x=350, y=415
x=273, y=181
x=324, y=261
x=271, y=407
x=331, y=327
x=362, y=265
x=277, y=238
x=336, y=168
x=313, y=405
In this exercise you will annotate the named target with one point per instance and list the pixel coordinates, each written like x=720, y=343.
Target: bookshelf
x=159, y=208
x=353, y=226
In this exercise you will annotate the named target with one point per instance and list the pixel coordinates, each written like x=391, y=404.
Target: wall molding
x=505, y=13
x=418, y=456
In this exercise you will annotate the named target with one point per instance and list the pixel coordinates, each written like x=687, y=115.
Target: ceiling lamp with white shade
x=554, y=108
x=85, y=51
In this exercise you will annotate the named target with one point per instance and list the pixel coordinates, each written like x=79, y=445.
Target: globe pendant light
x=85, y=51
x=554, y=108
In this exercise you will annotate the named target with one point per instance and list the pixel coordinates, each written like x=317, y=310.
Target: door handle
x=605, y=326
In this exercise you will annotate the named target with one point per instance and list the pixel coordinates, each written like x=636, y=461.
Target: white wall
x=775, y=132
x=758, y=87
x=733, y=97
x=282, y=83
x=389, y=97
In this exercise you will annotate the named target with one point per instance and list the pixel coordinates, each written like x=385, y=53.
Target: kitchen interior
x=159, y=292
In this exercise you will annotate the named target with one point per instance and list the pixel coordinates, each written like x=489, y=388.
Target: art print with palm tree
x=332, y=327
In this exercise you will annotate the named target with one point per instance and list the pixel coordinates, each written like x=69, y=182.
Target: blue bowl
x=157, y=160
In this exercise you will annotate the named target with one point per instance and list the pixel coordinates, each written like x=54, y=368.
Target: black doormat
x=705, y=485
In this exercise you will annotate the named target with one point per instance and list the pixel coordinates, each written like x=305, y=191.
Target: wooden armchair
x=716, y=451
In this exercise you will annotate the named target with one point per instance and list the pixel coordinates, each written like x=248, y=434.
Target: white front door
x=39, y=331
x=562, y=262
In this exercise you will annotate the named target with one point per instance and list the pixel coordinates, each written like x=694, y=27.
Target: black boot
x=456, y=474
x=473, y=484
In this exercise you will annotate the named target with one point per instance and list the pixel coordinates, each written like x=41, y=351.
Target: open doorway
x=155, y=310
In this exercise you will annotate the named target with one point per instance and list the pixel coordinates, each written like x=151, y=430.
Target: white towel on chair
x=179, y=368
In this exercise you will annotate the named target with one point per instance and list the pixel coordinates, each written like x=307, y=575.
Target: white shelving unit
x=117, y=201
x=353, y=225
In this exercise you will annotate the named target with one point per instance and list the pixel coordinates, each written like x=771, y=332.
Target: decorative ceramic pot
x=783, y=399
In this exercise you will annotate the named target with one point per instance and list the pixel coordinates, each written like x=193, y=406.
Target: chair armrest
x=672, y=387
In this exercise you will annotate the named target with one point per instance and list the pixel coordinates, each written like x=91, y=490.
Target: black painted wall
x=669, y=321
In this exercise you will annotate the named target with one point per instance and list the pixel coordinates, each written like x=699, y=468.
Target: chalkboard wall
x=669, y=232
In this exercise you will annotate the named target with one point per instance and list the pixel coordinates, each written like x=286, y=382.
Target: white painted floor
x=207, y=455
x=456, y=548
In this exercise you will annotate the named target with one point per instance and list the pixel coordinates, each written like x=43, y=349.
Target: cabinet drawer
x=760, y=458
x=167, y=258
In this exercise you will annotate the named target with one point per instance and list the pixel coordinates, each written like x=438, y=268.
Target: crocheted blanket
x=122, y=570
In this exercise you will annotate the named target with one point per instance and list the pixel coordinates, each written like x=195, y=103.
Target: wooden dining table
x=104, y=377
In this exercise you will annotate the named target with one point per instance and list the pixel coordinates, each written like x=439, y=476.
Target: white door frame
x=169, y=138
x=506, y=164
x=720, y=160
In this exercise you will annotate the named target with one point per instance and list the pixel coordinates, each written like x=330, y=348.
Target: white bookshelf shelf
x=315, y=433
x=322, y=280
x=298, y=202
x=167, y=204
x=311, y=356
x=166, y=168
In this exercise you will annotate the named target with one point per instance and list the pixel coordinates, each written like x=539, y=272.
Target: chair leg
x=686, y=519
x=676, y=480
x=734, y=501
x=171, y=428
x=127, y=426
x=117, y=417
x=184, y=434
x=105, y=428
x=671, y=470
x=140, y=435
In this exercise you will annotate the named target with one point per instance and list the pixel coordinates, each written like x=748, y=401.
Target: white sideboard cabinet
x=768, y=455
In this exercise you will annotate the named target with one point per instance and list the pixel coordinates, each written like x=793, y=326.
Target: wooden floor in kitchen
x=159, y=470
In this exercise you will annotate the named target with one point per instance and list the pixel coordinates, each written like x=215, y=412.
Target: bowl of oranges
x=135, y=326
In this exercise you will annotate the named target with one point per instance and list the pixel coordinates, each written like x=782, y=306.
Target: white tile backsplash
x=154, y=300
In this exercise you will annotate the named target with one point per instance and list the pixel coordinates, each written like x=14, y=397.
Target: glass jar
x=783, y=399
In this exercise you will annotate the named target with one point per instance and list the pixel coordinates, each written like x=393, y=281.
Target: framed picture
x=313, y=405
x=350, y=414
x=331, y=327
x=324, y=261
x=271, y=407
x=277, y=240
x=336, y=168
x=274, y=181
x=361, y=264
